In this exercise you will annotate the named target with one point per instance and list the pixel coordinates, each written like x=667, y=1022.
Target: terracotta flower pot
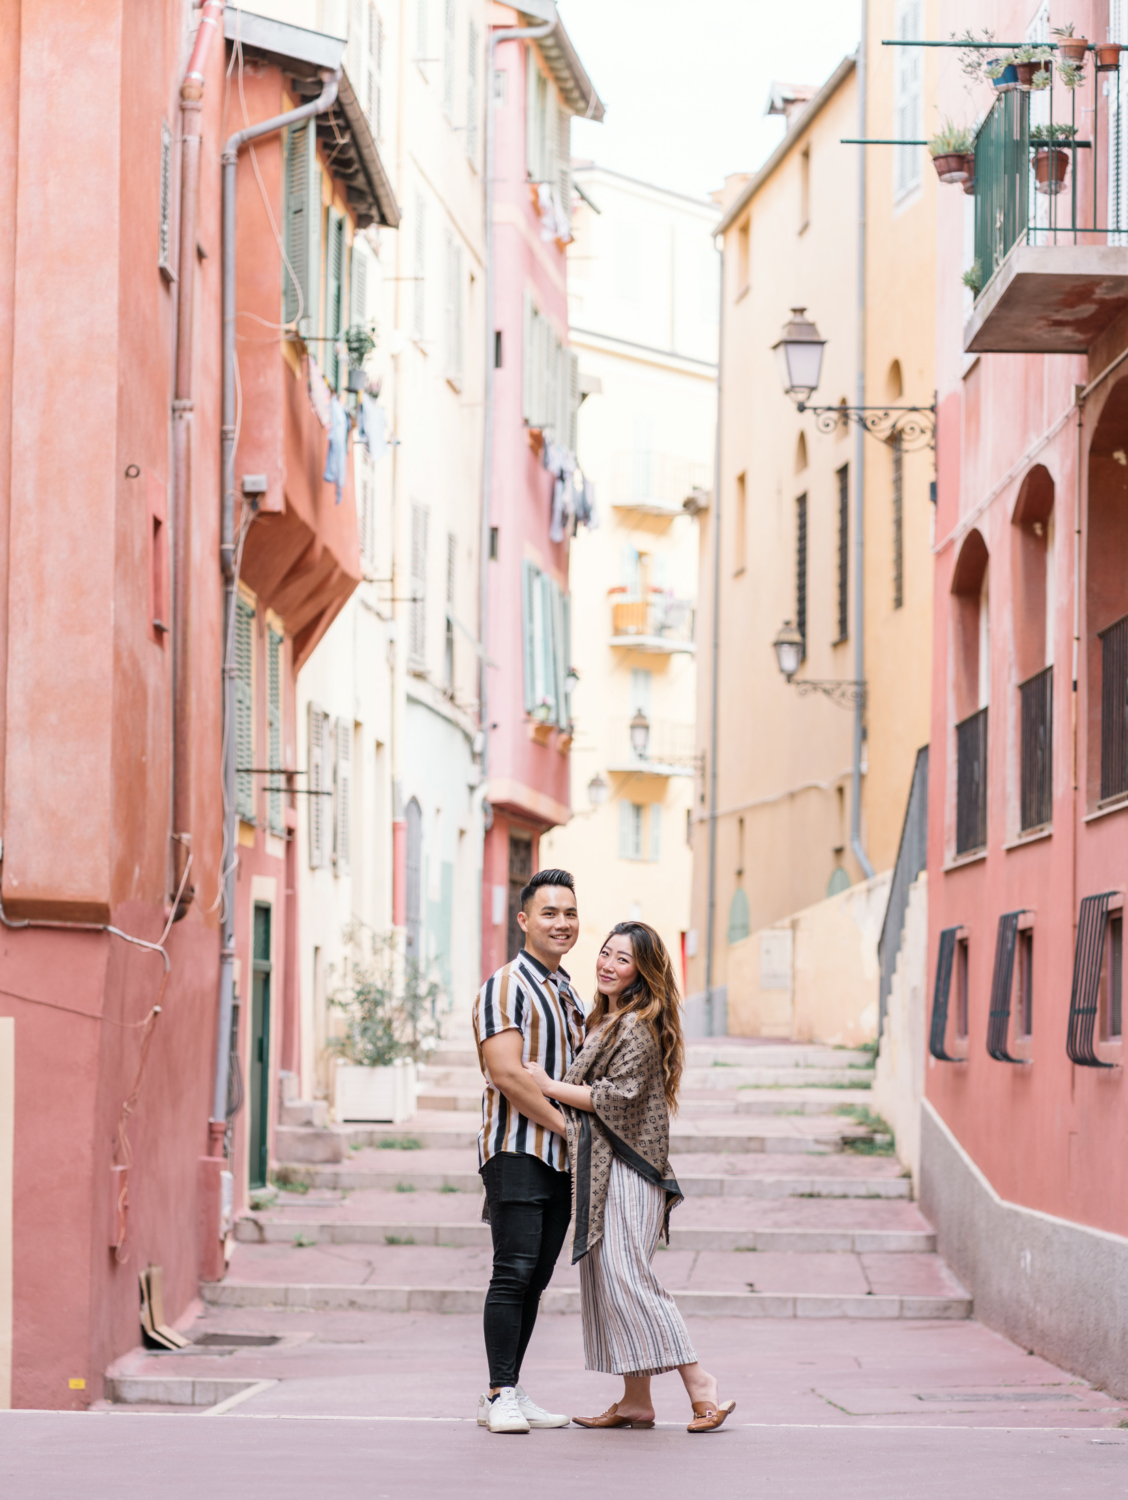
x=951, y=167
x=1007, y=79
x=1072, y=48
x=1108, y=56
x=1026, y=73
x=969, y=168
x=1051, y=164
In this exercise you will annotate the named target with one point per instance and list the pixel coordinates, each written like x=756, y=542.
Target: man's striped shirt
x=525, y=996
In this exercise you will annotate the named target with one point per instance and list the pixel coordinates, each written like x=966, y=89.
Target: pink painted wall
x=527, y=779
x=1047, y=1135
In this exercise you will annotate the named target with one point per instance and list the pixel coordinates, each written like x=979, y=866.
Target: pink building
x=1023, y=1168
x=117, y=556
x=532, y=503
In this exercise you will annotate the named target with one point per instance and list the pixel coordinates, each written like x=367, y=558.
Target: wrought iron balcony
x=670, y=749
x=1051, y=217
x=659, y=623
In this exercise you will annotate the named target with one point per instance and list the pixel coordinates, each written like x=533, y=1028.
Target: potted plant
x=391, y=1020
x=1072, y=74
x=949, y=149
x=1108, y=56
x=969, y=167
x=1051, y=161
x=1070, y=48
x=973, y=277
x=1031, y=62
x=1002, y=72
x=973, y=53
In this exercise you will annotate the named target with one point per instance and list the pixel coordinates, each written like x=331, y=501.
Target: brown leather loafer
x=611, y=1418
x=707, y=1415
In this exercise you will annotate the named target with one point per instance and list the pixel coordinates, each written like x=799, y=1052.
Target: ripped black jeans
x=530, y=1205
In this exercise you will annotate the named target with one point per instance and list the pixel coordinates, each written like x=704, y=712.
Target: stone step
x=174, y=1390
x=758, y=1077
x=567, y=1300
x=263, y=1229
x=774, y=1055
x=304, y=1112
x=779, y=1100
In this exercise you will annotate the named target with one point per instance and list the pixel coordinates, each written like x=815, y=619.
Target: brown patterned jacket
x=630, y=1120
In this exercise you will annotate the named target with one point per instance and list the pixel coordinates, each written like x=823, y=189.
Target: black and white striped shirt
x=525, y=996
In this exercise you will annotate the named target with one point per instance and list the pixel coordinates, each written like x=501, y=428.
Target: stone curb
x=713, y=1186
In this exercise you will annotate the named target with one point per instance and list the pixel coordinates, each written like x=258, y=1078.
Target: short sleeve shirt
x=524, y=996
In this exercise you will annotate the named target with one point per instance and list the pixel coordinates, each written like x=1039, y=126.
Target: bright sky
x=685, y=86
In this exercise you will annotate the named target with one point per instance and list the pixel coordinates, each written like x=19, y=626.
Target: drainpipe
x=325, y=100
x=505, y=34
x=191, y=108
x=715, y=660
x=856, y=844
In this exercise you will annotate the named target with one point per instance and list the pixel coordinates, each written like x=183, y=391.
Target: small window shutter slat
x=655, y=831
x=564, y=163
x=547, y=685
x=343, y=829
x=316, y=783
x=559, y=656
x=244, y=710
x=274, y=644
x=295, y=280
x=334, y=279
x=529, y=577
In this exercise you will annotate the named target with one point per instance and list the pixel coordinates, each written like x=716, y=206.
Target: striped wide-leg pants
x=631, y=1323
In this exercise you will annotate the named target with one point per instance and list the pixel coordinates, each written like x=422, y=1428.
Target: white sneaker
x=503, y=1413
x=535, y=1415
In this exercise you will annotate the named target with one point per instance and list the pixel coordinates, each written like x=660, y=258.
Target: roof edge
x=559, y=53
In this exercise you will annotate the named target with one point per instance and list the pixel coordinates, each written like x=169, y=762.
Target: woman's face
x=615, y=968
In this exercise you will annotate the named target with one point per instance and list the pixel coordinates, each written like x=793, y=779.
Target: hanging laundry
x=372, y=427
x=556, y=526
x=319, y=393
x=546, y=211
x=337, y=458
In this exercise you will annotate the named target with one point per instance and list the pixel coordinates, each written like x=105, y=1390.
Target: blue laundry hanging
x=337, y=458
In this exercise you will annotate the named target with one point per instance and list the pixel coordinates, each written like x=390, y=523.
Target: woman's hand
x=540, y=1078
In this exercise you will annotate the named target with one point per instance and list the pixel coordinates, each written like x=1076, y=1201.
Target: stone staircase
x=795, y=1206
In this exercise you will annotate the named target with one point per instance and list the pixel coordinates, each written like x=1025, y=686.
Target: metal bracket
x=913, y=426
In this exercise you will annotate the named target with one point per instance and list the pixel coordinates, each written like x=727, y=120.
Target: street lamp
x=640, y=734
x=789, y=648
x=799, y=353
x=597, y=791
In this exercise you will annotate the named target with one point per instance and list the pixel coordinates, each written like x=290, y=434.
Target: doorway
x=520, y=872
x=260, y=1050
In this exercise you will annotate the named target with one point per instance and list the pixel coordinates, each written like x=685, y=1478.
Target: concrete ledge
x=307, y=1143
x=171, y=1390
x=1053, y=1286
x=1049, y=299
x=567, y=1300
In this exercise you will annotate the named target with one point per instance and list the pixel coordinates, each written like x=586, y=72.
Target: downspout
x=325, y=100
x=191, y=109
x=856, y=845
x=715, y=659
x=506, y=34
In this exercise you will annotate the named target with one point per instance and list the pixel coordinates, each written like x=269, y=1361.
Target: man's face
x=551, y=923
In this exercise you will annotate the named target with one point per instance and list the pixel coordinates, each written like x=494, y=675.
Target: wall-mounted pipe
x=714, y=657
x=325, y=100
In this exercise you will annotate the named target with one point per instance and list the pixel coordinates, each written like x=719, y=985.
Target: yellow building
x=810, y=787
x=643, y=302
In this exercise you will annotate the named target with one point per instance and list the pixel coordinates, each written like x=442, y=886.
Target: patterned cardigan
x=630, y=1120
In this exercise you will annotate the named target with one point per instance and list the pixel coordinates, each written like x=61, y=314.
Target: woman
x=617, y=1098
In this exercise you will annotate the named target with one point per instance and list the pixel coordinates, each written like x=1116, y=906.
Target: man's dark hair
x=546, y=877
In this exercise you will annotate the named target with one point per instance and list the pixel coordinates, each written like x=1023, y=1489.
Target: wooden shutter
x=529, y=584
x=564, y=163
x=559, y=655
x=316, y=783
x=532, y=133
x=358, y=283
x=302, y=238
x=274, y=644
x=334, y=286
x=343, y=801
x=547, y=632
x=244, y=710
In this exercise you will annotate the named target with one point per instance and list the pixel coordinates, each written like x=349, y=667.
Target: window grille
x=244, y=710
x=801, y=569
x=1037, y=768
x=998, y=1019
x=939, y=1029
x=1114, y=709
x=1085, y=995
x=164, y=241
x=843, y=552
x=898, y=520
x=316, y=779
x=971, y=783
x=274, y=645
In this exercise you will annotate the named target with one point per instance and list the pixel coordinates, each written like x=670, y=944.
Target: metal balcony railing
x=1114, y=709
x=1037, y=773
x=671, y=747
x=1041, y=176
x=661, y=617
x=971, y=783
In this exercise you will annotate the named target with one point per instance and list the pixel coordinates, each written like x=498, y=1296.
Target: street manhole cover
x=237, y=1340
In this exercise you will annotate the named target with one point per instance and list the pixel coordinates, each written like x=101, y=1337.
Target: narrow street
x=351, y=1316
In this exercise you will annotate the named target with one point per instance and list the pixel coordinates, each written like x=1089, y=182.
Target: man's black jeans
x=530, y=1206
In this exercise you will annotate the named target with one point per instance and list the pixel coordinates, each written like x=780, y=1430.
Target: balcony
x=1051, y=220
x=671, y=749
x=657, y=622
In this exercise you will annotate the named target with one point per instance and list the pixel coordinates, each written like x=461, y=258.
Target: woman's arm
x=502, y=1054
x=578, y=1095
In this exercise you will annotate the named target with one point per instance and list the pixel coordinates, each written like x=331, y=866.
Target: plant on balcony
x=973, y=53
x=949, y=149
x=1072, y=74
x=1002, y=72
x=390, y=1008
x=973, y=277
x=1031, y=62
x=1108, y=56
x=1071, y=49
x=1046, y=135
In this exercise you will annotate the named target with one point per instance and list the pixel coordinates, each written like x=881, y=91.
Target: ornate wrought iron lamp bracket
x=845, y=693
x=915, y=426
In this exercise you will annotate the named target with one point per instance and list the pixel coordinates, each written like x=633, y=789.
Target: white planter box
x=376, y=1095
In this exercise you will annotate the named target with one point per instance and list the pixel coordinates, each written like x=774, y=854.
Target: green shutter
x=566, y=621
x=274, y=726
x=244, y=710
x=334, y=286
x=302, y=237
x=358, y=284
x=315, y=761
x=529, y=582
x=559, y=656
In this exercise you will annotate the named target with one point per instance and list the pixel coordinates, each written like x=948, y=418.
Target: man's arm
x=502, y=1054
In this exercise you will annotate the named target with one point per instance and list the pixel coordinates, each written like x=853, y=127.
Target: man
x=527, y=1012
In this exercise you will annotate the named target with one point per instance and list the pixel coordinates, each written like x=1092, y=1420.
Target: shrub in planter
x=1070, y=48
x=1031, y=62
x=949, y=149
x=973, y=277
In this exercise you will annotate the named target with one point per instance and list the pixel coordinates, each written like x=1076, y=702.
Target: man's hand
x=502, y=1054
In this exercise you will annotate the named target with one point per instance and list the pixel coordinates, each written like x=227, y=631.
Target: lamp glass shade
x=788, y=647
x=799, y=353
x=640, y=733
x=597, y=790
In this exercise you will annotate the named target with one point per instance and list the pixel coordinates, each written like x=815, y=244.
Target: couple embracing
x=576, y=1122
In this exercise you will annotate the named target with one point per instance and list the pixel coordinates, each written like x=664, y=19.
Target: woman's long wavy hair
x=654, y=998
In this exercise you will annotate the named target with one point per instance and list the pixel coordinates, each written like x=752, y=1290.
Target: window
x=448, y=643
x=907, y=113
x=1114, y=978
x=301, y=270
x=367, y=506
x=454, y=311
x=1114, y=709
x=472, y=93
x=244, y=710
x=540, y=121
x=358, y=284
x=631, y=818
x=417, y=639
x=448, y=58
x=334, y=298
x=1024, y=999
x=740, y=918
x=642, y=682
x=499, y=349
x=317, y=786
x=164, y=235
x=342, y=801
x=801, y=569
x=971, y=782
x=274, y=658
x=418, y=320
x=413, y=882
x=1036, y=697
x=804, y=188
x=493, y=543
x=158, y=590
x=843, y=553
x=549, y=382
x=743, y=257
x=740, y=549
x=962, y=979
x=421, y=18
x=545, y=628
x=898, y=520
